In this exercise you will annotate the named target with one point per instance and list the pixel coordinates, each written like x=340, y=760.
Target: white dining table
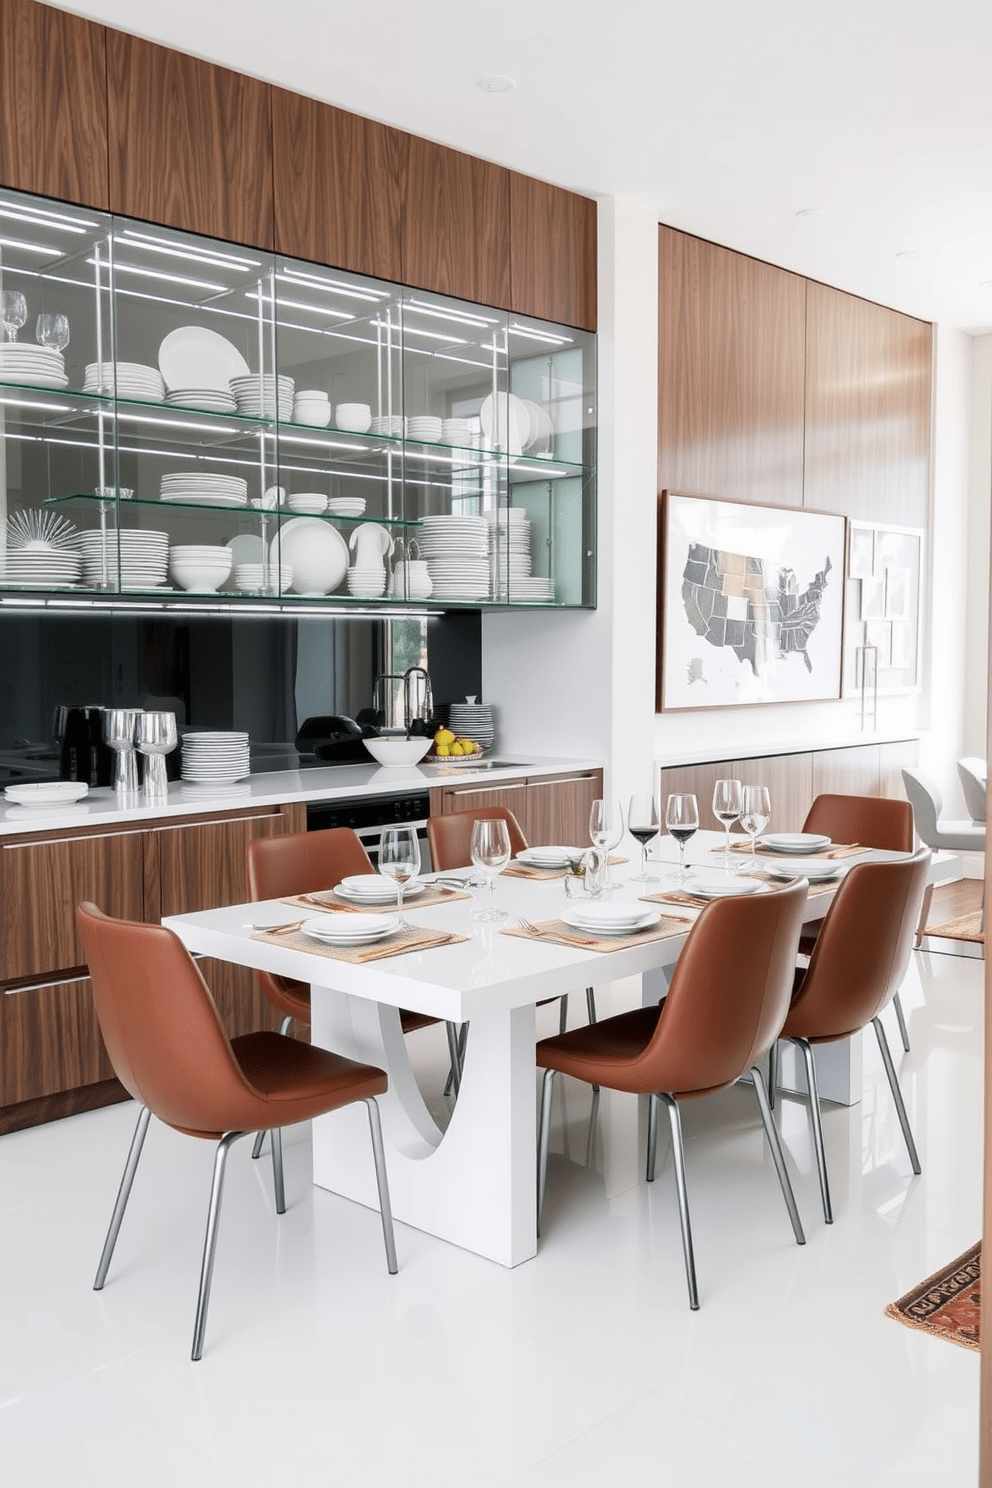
x=473, y=1184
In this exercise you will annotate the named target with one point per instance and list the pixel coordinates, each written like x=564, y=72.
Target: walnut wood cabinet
x=552, y=253
x=455, y=230
x=52, y=1059
x=53, y=103
x=550, y=809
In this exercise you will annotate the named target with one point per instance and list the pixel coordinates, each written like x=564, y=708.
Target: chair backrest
x=450, y=836
x=729, y=994
x=973, y=774
x=160, y=1024
x=927, y=804
x=874, y=821
x=863, y=948
x=303, y=862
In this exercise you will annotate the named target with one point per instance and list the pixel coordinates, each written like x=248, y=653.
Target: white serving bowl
x=356, y=418
x=314, y=415
x=200, y=576
x=397, y=751
x=311, y=395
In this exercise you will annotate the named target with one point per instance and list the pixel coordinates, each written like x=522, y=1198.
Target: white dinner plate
x=795, y=842
x=47, y=793
x=610, y=919
x=195, y=356
x=804, y=868
x=316, y=552
x=352, y=929
x=547, y=857
x=373, y=888
x=722, y=888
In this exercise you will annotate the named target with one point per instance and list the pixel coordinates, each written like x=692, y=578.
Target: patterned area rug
x=949, y=1303
x=964, y=927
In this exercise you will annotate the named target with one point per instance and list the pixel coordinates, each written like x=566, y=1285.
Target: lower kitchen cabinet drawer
x=49, y=1040
x=548, y=808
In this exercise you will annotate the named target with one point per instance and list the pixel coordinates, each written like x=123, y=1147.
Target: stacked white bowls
x=200, y=567
x=312, y=407
x=354, y=418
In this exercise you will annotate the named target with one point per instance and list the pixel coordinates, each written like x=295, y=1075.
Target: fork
x=553, y=934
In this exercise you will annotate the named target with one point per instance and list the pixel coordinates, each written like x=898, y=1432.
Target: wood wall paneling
x=731, y=360
x=53, y=103
x=893, y=759
x=552, y=253
x=548, y=810
x=456, y=231
x=789, y=778
x=868, y=389
x=190, y=143
x=339, y=184
x=847, y=772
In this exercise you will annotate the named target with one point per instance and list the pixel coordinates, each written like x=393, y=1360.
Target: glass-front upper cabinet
x=187, y=419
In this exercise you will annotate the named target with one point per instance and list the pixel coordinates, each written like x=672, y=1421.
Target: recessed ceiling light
x=807, y=212
x=495, y=82
x=909, y=253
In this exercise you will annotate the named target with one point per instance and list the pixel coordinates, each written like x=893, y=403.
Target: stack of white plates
x=373, y=888
x=457, y=553
x=816, y=870
x=723, y=887
x=350, y=929
x=346, y=506
x=211, y=400
x=127, y=379
x=457, y=431
x=307, y=503
x=256, y=396
x=548, y=857
x=205, y=489
x=40, y=366
x=250, y=579
x=42, y=566
x=529, y=590
x=424, y=427
x=510, y=548
x=473, y=721
x=215, y=758
x=393, y=424
x=46, y=792
x=143, y=559
x=795, y=842
x=603, y=918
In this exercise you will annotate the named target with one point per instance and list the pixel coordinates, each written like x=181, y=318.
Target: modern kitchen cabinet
x=53, y=103
x=552, y=252
x=456, y=224
x=549, y=809
x=190, y=143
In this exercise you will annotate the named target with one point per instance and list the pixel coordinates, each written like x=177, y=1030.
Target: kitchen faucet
x=408, y=714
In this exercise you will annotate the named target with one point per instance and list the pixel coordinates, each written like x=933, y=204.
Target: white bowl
x=356, y=418
x=199, y=577
x=310, y=503
x=314, y=415
x=397, y=751
x=311, y=395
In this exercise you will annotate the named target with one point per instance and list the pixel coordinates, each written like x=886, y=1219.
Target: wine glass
x=490, y=854
x=726, y=809
x=52, y=331
x=643, y=823
x=682, y=820
x=756, y=813
x=606, y=832
x=13, y=312
x=399, y=859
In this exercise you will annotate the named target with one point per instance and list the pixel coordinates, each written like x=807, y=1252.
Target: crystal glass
x=756, y=813
x=682, y=820
x=727, y=808
x=643, y=823
x=53, y=331
x=399, y=859
x=490, y=854
x=13, y=312
x=606, y=832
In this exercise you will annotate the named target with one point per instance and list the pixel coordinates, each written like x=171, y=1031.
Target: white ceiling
x=726, y=116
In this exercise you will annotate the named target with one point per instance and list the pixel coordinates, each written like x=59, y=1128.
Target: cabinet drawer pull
x=475, y=790
x=43, y=986
x=227, y=821
x=57, y=841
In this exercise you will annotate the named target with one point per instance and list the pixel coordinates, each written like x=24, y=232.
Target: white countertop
x=103, y=808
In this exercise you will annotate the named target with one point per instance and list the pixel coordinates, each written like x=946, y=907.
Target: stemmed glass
x=53, y=331
x=756, y=813
x=642, y=823
x=490, y=854
x=606, y=833
x=13, y=312
x=682, y=820
x=399, y=859
x=727, y=808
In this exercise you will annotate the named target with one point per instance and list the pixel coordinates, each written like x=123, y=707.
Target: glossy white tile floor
x=583, y=1367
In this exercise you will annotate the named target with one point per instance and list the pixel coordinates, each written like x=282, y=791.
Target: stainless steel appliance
x=369, y=814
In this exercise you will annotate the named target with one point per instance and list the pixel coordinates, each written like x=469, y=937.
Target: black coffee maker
x=82, y=753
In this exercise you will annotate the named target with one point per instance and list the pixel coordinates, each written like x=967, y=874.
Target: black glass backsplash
x=265, y=675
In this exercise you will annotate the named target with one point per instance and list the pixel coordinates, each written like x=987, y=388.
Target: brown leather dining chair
x=859, y=959
x=450, y=839
x=306, y=863
x=169, y=1049
x=872, y=821
x=727, y=1000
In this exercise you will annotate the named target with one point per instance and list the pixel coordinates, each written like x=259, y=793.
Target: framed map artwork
x=750, y=603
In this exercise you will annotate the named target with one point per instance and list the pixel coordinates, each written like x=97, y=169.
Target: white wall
x=979, y=493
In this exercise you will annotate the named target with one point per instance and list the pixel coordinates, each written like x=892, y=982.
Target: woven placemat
x=838, y=850
x=524, y=870
x=397, y=944
x=696, y=901
x=556, y=932
x=325, y=900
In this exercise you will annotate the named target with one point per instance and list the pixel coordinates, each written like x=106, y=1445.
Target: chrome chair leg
x=816, y=1122
x=563, y=1014
x=224, y=1146
x=777, y=1157
x=544, y=1132
x=772, y=1074
x=678, y=1154
x=278, y=1182
x=286, y=1024
x=890, y=1070
x=591, y=1004
x=123, y=1194
x=901, y=1020
x=654, y=1101
x=256, y=1150
x=382, y=1183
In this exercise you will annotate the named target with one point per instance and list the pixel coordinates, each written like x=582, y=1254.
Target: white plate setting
x=805, y=868
x=610, y=919
x=795, y=842
x=350, y=930
x=373, y=888
x=721, y=888
x=548, y=857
